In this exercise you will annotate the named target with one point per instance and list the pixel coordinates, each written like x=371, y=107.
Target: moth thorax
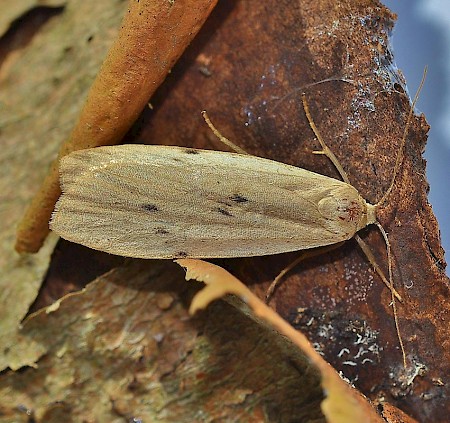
x=346, y=206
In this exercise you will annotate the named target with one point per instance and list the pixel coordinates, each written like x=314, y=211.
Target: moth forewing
x=166, y=202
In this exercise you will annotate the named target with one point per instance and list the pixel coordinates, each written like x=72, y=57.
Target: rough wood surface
x=246, y=68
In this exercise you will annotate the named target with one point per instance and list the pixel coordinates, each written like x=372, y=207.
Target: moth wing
x=165, y=202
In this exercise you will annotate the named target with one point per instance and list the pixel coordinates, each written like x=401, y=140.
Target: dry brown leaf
x=392, y=414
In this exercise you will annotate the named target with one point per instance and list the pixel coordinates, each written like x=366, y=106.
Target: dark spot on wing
x=238, y=198
x=161, y=231
x=150, y=207
x=223, y=211
x=192, y=151
x=180, y=254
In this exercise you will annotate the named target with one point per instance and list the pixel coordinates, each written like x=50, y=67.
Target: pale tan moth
x=151, y=201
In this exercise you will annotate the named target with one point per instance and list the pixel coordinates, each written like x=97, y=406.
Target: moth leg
x=364, y=247
x=368, y=253
x=221, y=138
x=325, y=150
x=303, y=256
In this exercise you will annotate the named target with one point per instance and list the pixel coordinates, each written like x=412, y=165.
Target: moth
x=150, y=201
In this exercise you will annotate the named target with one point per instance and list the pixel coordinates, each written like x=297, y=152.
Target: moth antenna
x=312, y=84
x=221, y=138
x=400, y=155
x=390, y=284
x=326, y=151
x=397, y=166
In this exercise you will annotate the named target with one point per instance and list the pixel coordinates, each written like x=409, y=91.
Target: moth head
x=347, y=209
